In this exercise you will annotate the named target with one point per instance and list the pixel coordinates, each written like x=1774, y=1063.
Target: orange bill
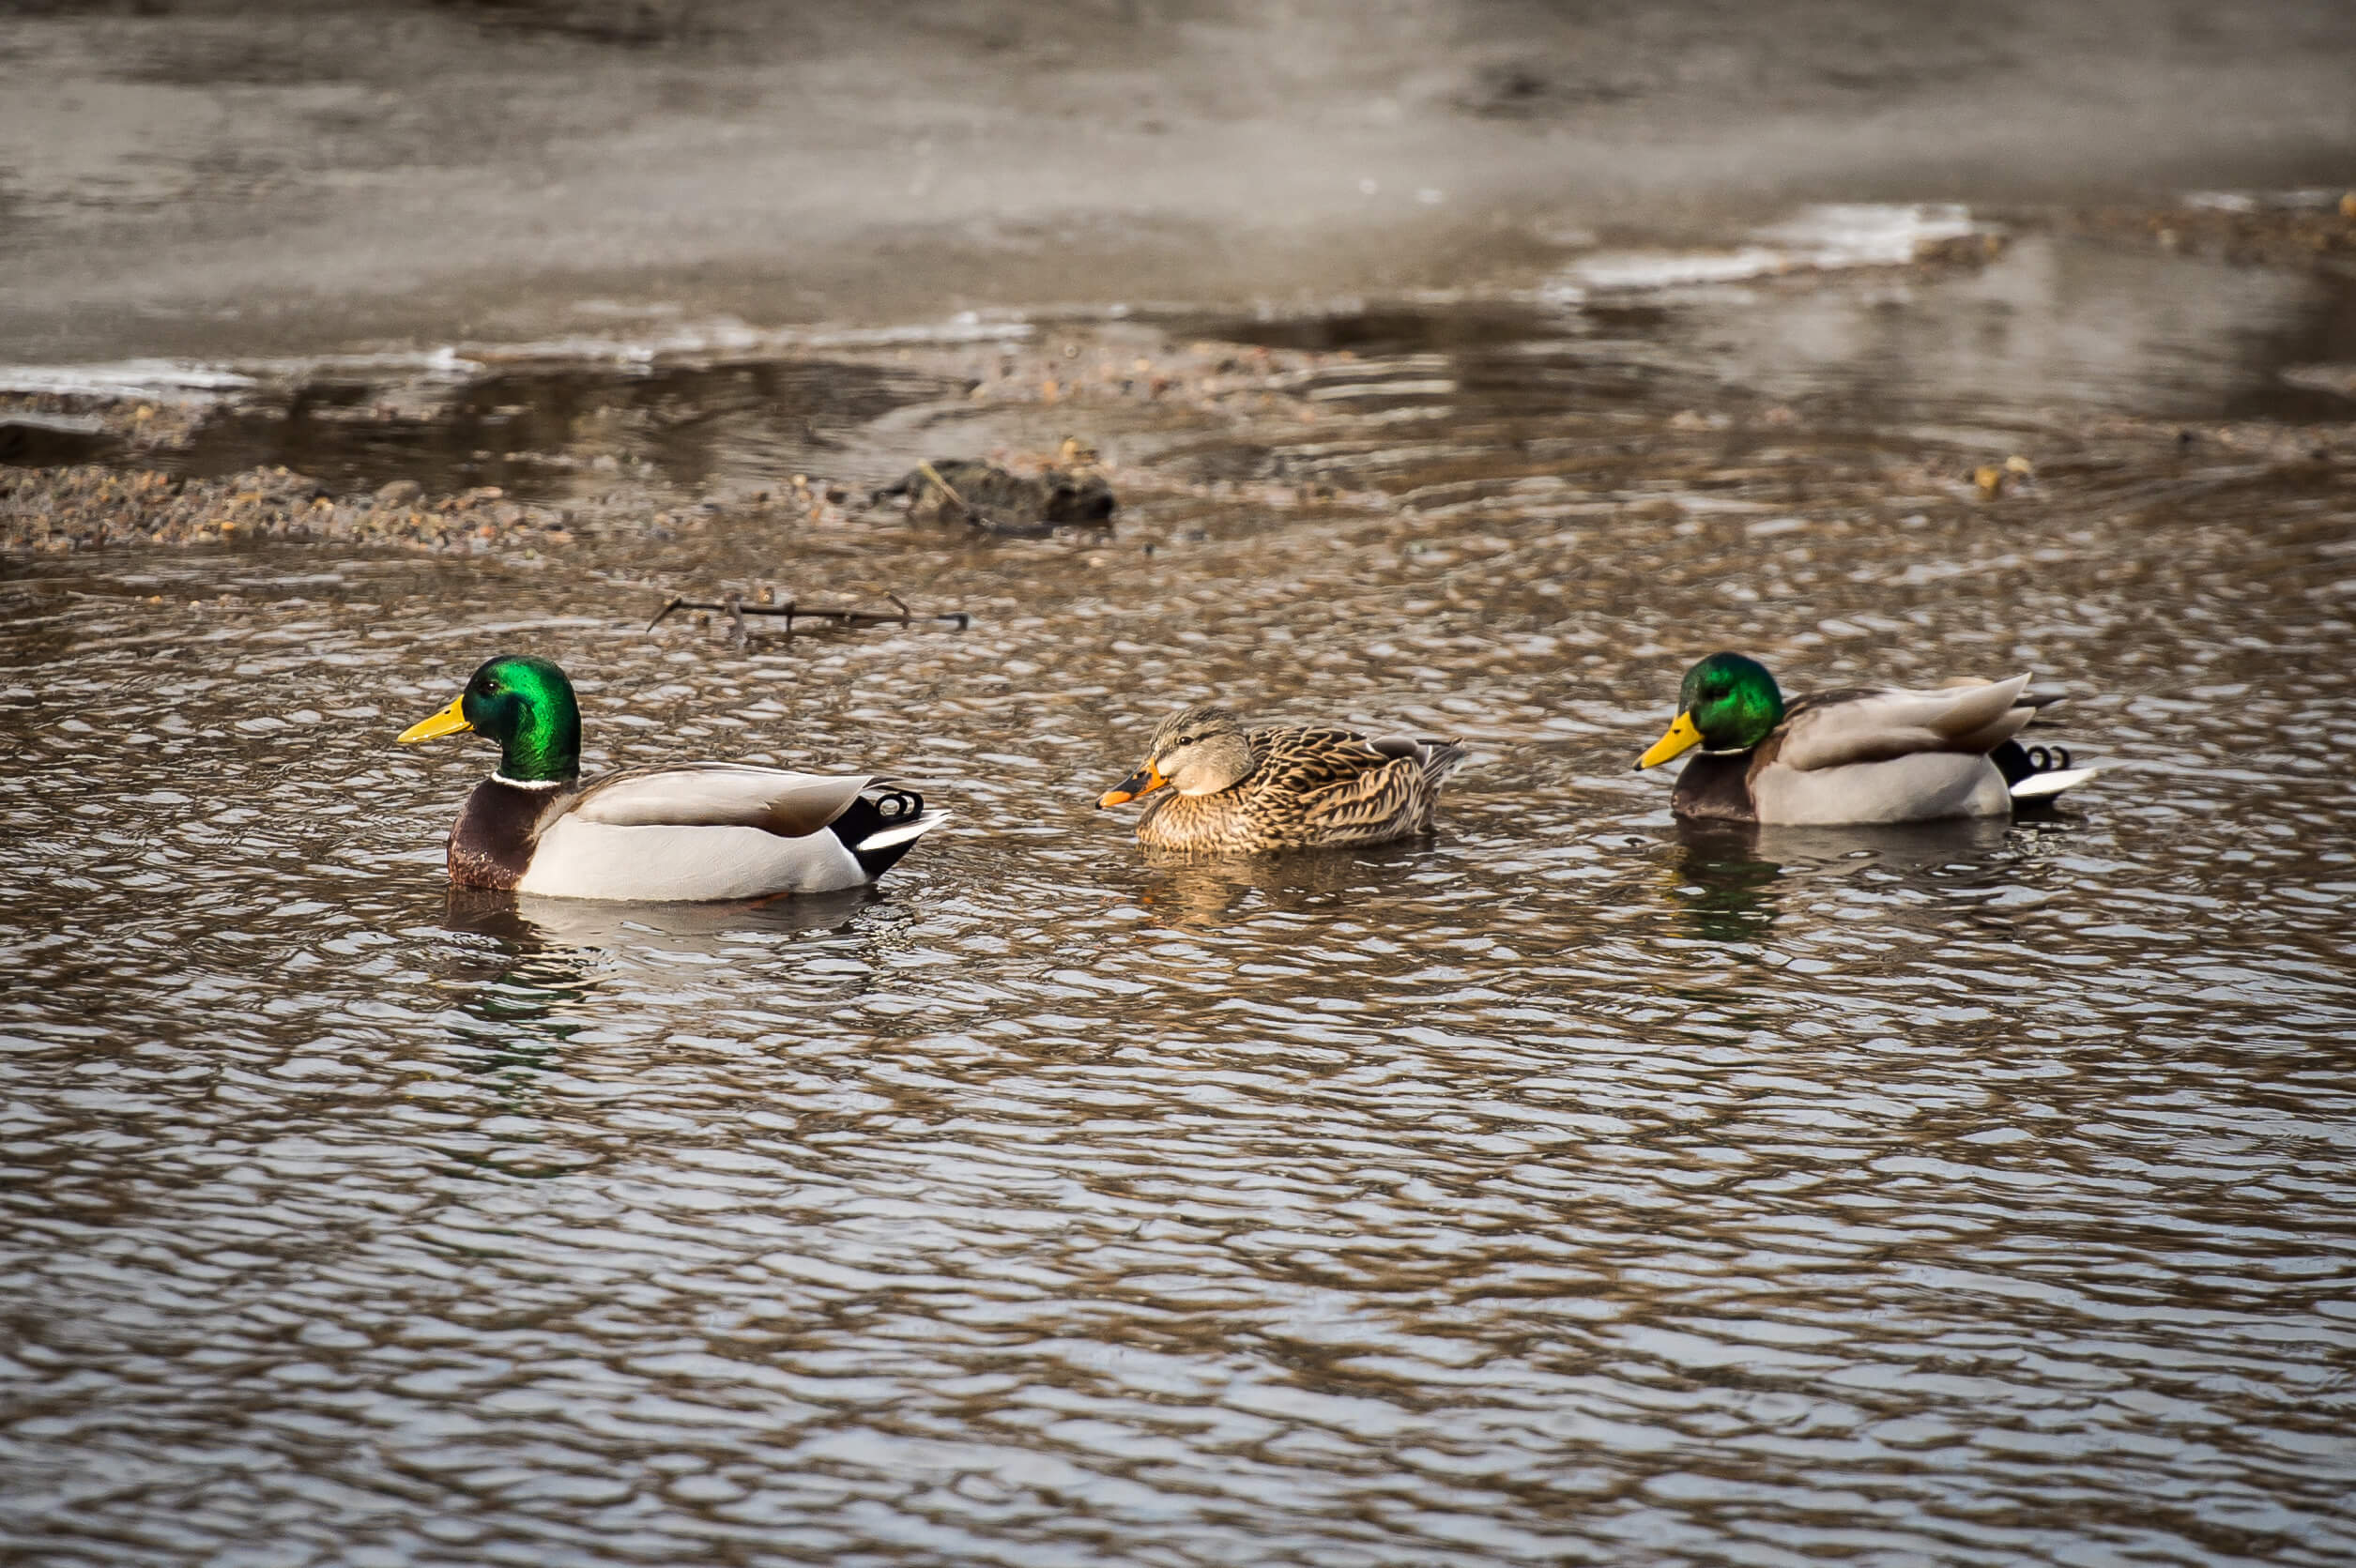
x=1143, y=782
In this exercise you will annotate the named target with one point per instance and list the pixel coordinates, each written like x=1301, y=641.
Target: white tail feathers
x=900, y=833
x=2039, y=786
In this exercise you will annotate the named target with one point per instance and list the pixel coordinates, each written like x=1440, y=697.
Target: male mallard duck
x=1238, y=791
x=697, y=832
x=1851, y=756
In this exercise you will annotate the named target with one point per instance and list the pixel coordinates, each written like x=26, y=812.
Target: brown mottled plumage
x=1239, y=792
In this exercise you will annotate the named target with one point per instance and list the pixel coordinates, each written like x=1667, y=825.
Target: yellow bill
x=1681, y=738
x=450, y=721
x=1143, y=782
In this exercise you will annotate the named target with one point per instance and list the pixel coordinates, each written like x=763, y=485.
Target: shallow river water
x=1570, y=1188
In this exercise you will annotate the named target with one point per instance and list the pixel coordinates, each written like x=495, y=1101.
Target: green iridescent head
x=527, y=706
x=1727, y=704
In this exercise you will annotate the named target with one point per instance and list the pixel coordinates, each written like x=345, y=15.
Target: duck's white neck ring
x=497, y=777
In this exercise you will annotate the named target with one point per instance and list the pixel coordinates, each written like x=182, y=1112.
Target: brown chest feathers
x=492, y=843
x=1716, y=789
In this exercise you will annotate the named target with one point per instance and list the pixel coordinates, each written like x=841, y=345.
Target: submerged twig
x=734, y=608
x=927, y=468
x=973, y=514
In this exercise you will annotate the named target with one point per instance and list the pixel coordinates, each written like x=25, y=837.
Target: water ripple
x=1576, y=1188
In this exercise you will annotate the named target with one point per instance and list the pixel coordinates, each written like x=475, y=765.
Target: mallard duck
x=700, y=831
x=1244, y=792
x=1857, y=755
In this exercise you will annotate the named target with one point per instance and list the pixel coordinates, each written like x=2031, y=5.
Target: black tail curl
x=2018, y=762
x=871, y=814
x=895, y=805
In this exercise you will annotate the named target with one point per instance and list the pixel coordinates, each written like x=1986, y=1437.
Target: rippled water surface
x=1571, y=1188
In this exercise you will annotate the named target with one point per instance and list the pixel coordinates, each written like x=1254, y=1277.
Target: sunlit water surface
x=1567, y=1189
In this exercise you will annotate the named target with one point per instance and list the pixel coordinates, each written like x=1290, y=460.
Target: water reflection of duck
x=694, y=832
x=1245, y=792
x=1207, y=892
x=1741, y=872
x=1734, y=897
x=576, y=925
x=1859, y=755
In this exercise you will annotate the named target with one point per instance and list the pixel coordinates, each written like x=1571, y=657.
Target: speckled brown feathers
x=1245, y=793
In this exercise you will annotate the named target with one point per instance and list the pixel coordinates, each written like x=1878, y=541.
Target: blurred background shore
x=205, y=177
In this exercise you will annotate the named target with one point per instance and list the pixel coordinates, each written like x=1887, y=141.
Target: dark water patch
x=630, y=25
x=1383, y=329
x=55, y=440
x=543, y=431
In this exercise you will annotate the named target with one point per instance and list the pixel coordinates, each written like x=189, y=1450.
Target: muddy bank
x=1456, y=419
x=2226, y=325
x=644, y=454
x=2316, y=228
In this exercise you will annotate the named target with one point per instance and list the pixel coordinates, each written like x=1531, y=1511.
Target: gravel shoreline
x=92, y=506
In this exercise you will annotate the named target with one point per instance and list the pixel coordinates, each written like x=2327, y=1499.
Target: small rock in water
x=400, y=493
x=1992, y=481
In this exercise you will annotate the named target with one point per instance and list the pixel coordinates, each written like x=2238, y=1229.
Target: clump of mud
x=996, y=500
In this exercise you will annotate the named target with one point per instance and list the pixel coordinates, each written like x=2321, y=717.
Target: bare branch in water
x=734, y=608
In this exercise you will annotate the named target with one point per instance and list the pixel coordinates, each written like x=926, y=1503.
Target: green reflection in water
x=1724, y=889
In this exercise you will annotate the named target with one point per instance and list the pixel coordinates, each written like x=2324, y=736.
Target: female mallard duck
x=697, y=832
x=1238, y=791
x=1859, y=755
